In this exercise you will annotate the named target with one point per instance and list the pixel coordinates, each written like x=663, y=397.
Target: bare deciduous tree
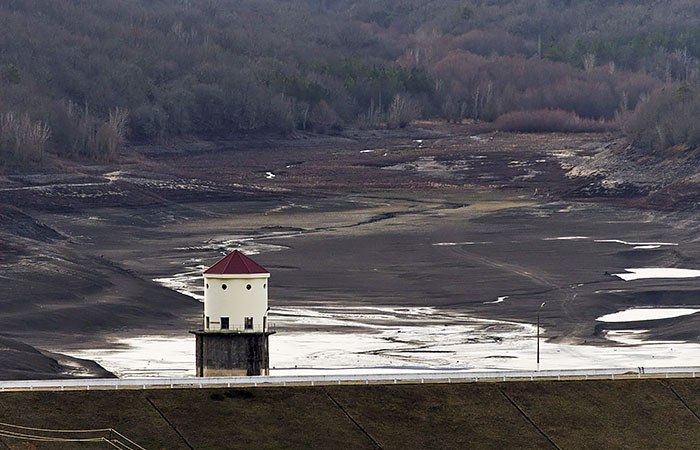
x=402, y=111
x=588, y=61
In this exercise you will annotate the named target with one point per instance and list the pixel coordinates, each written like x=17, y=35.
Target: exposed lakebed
x=441, y=286
x=387, y=252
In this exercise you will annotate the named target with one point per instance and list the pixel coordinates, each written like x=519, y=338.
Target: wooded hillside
x=78, y=78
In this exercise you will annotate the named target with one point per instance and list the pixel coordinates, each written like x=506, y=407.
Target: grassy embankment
x=546, y=414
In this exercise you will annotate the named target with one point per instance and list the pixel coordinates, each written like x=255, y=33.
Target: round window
x=223, y=286
x=248, y=287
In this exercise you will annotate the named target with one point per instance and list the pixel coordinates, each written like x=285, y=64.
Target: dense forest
x=78, y=78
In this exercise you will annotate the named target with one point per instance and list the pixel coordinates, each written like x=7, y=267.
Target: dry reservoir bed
x=387, y=283
x=431, y=248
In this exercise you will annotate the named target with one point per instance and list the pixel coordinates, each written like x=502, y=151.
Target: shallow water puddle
x=639, y=314
x=567, y=238
x=657, y=272
x=188, y=283
x=396, y=340
x=636, y=244
x=456, y=244
x=149, y=356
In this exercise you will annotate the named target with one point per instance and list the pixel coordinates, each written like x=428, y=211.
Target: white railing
x=239, y=328
x=445, y=376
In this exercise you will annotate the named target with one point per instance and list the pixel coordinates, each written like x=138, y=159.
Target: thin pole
x=538, y=339
x=538, y=335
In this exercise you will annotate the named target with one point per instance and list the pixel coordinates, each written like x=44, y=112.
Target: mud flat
x=399, y=283
x=435, y=253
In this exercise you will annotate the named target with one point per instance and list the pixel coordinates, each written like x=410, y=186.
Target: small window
x=248, y=323
x=265, y=286
x=207, y=285
x=224, y=323
x=223, y=286
x=248, y=287
x=206, y=322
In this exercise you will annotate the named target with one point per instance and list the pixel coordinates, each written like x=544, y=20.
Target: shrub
x=109, y=137
x=22, y=139
x=547, y=120
x=323, y=118
x=668, y=118
x=147, y=122
x=82, y=134
x=9, y=73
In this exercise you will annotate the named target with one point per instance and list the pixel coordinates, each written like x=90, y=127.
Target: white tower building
x=234, y=338
x=235, y=295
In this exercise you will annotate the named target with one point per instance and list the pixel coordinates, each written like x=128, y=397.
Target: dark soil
x=357, y=217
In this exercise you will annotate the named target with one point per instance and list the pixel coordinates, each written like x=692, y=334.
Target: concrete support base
x=223, y=354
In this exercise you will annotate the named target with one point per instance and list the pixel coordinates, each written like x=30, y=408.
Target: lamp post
x=538, y=335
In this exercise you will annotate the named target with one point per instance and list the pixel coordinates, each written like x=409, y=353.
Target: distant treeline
x=78, y=78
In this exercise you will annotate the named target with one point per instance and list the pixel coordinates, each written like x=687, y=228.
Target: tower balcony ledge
x=237, y=330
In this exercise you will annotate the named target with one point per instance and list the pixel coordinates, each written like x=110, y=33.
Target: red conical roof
x=235, y=263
